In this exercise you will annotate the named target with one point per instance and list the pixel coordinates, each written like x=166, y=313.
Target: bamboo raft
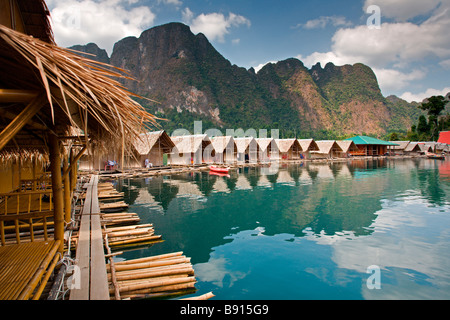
x=131, y=235
x=163, y=276
x=113, y=207
x=121, y=218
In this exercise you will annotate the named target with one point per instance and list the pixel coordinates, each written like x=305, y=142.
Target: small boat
x=218, y=169
x=431, y=155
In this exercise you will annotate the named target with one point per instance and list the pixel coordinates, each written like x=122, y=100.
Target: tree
x=434, y=106
x=422, y=126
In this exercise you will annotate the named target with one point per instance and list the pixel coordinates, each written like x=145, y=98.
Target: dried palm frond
x=82, y=93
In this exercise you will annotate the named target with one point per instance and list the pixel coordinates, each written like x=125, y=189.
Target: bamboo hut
x=328, y=149
x=151, y=148
x=191, y=150
x=225, y=149
x=45, y=92
x=247, y=150
x=290, y=149
x=307, y=146
x=414, y=149
x=268, y=149
x=347, y=147
x=400, y=149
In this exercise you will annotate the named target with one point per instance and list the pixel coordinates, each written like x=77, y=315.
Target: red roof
x=444, y=137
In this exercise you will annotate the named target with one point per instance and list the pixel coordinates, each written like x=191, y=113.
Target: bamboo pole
x=152, y=258
x=112, y=270
x=58, y=199
x=44, y=281
x=26, y=293
x=67, y=191
x=154, y=284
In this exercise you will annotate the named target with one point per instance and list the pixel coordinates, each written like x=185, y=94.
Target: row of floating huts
x=155, y=149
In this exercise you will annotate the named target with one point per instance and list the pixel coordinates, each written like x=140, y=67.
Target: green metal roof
x=369, y=140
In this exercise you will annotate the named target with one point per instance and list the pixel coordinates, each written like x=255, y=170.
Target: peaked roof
x=414, y=147
x=243, y=143
x=221, y=143
x=444, y=137
x=190, y=144
x=364, y=140
x=284, y=145
x=347, y=145
x=148, y=140
x=401, y=145
x=308, y=144
x=264, y=143
x=325, y=146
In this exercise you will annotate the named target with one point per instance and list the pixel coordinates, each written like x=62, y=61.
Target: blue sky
x=409, y=50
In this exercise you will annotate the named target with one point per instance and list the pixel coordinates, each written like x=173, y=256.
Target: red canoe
x=219, y=170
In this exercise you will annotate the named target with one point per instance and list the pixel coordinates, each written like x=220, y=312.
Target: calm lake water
x=307, y=232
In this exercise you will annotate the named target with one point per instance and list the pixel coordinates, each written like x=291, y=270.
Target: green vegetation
x=427, y=130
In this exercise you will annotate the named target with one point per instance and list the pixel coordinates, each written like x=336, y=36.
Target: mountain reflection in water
x=308, y=231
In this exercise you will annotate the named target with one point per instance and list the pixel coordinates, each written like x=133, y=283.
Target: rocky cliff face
x=191, y=80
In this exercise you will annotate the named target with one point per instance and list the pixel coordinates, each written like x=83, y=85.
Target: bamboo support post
x=58, y=199
x=67, y=191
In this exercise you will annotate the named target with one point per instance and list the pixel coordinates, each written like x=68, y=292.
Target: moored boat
x=431, y=155
x=218, y=169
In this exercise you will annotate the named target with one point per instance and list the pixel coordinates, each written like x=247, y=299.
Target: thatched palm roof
x=347, y=145
x=326, y=146
x=148, y=140
x=220, y=144
x=264, y=143
x=190, y=143
x=308, y=145
x=284, y=145
x=243, y=143
x=75, y=92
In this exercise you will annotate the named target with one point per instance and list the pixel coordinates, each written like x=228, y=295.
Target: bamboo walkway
x=164, y=276
x=89, y=251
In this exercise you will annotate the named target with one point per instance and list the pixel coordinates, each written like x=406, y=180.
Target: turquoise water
x=307, y=232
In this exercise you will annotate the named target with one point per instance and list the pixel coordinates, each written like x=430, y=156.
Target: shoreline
x=177, y=169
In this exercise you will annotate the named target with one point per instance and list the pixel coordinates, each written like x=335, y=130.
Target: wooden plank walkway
x=89, y=252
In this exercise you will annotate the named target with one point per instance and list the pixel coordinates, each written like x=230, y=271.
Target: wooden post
x=58, y=198
x=67, y=191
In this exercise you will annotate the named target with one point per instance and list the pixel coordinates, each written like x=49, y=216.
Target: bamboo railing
x=25, y=214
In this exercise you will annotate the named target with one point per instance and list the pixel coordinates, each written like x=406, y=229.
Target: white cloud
x=419, y=97
x=403, y=10
x=103, y=22
x=187, y=15
x=394, y=80
x=322, y=22
x=396, y=48
x=215, y=26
